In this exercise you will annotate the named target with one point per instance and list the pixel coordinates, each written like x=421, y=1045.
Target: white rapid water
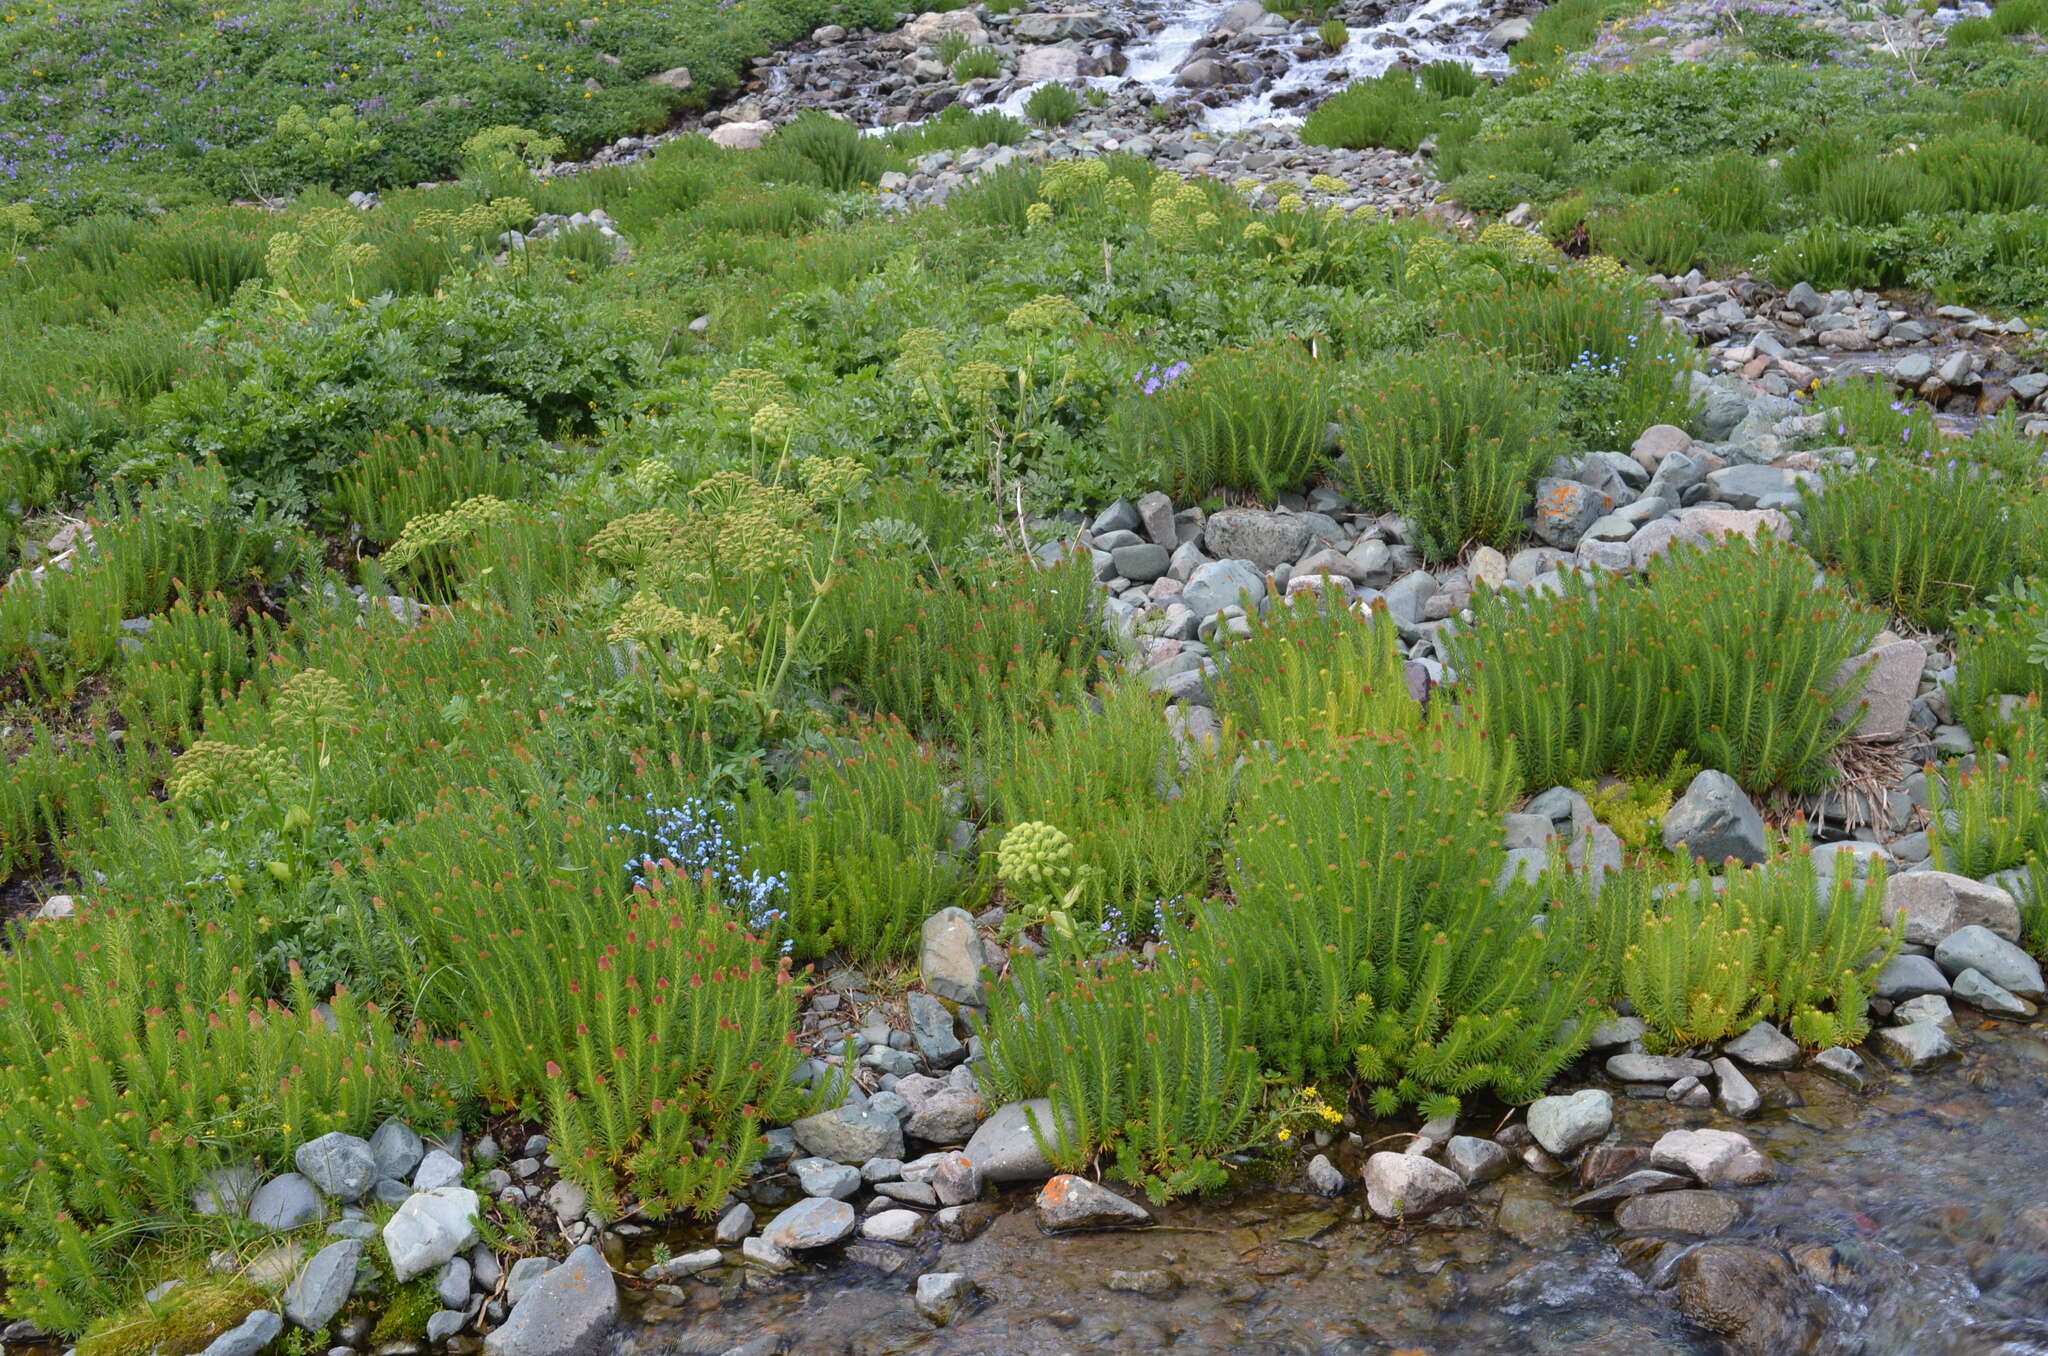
x=1436, y=30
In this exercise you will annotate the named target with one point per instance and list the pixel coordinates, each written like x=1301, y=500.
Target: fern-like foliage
x=1453, y=441
x=1770, y=944
x=1144, y=1066
x=1727, y=655
x=1105, y=769
x=1993, y=816
x=1368, y=939
x=1926, y=542
x=1241, y=419
x=1996, y=645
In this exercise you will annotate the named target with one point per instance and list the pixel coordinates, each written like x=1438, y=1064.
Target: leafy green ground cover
x=1793, y=153
x=106, y=102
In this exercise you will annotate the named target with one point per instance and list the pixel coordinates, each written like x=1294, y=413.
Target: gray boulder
x=1936, y=903
x=1267, y=540
x=1715, y=820
x=285, y=1202
x=1763, y=1046
x=1564, y=1125
x=850, y=1134
x=340, y=1165
x=1004, y=1148
x=248, y=1337
x=316, y=1295
x=397, y=1149
x=568, y=1312
x=816, y=1222
x=942, y=1295
x=1979, y=948
x=1409, y=1186
x=1070, y=1202
x=1909, y=976
x=431, y=1227
x=1986, y=996
x=951, y=958
x=1915, y=1044
x=1217, y=584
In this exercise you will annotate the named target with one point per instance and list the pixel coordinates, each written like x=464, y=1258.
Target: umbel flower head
x=744, y=390
x=214, y=767
x=1050, y=311
x=827, y=480
x=310, y=701
x=773, y=422
x=921, y=353
x=429, y=530
x=1037, y=855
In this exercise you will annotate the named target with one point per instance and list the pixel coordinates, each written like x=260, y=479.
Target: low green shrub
x=1243, y=419
x=1143, y=1067
x=1052, y=105
x=1619, y=368
x=1368, y=941
x=954, y=128
x=1708, y=963
x=1925, y=540
x=1663, y=234
x=843, y=157
x=1451, y=80
x=1991, y=817
x=1727, y=655
x=2001, y=646
x=1452, y=441
x=1876, y=192
x=1333, y=34
x=406, y=474
x=1310, y=670
x=1390, y=111
x=1734, y=193
x=1982, y=172
x=977, y=63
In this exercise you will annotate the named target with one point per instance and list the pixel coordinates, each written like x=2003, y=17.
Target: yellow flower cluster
x=1292, y=202
x=1604, y=267
x=1038, y=214
x=482, y=218
x=922, y=353
x=324, y=242
x=979, y=381
x=506, y=149
x=213, y=767
x=309, y=701
x=830, y=479
x=1035, y=853
x=652, y=475
x=1046, y=312
x=1426, y=255
x=1516, y=243
x=1257, y=230
x=1066, y=180
x=429, y=530
x=773, y=422
x=745, y=390
x=1174, y=214
x=1328, y=183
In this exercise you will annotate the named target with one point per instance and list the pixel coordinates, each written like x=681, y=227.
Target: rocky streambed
x=1907, y=1217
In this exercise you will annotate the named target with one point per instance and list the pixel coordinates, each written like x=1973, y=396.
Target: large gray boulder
x=815, y=1222
x=1217, y=584
x=1934, y=904
x=951, y=957
x=850, y=1134
x=1564, y=1125
x=1267, y=540
x=1005, y=1150
x=316, y=1295
x=340, y=1165
x=1409, y=1186
x=398, y=1150
x=431, y=1227
x=1715, y=820
x=1979, y=948
x=568, y=1312
x=285, y=1202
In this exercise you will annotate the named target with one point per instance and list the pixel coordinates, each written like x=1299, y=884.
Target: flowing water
x=1433, y=30
x=1918, y=1207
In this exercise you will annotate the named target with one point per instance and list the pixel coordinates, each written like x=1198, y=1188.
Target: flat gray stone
x=1323, y=1178
x=734, y=1225
x=285, y=1202
x=948, y=1116
x=1409, y=1186
x=1564, y=1125
x=1701, y=1214
x=818, y=1222
x=1843, y=1065
x=1070, y=1202
x=955, y=1179
x=340, y=1165
x=1763, y=1046
x=824, y=1177
x=248, y=1337
x=525, y=1274
x=438, y=1168
x=892, y=1226
x=452, y=1285
x=1717, y=1157
x=1914, y=1044
x=1979, y=948
x=1985, y=995
x=676, y=1268
x=1630, y=1067
x=1910, y=975
x=317, y=1293
x=850, y=1134
x=228, y=1190
x=1936, y=903
x=931, y=1027
x=1890, y=683
x=568, y=1312
x=1608, y=1195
